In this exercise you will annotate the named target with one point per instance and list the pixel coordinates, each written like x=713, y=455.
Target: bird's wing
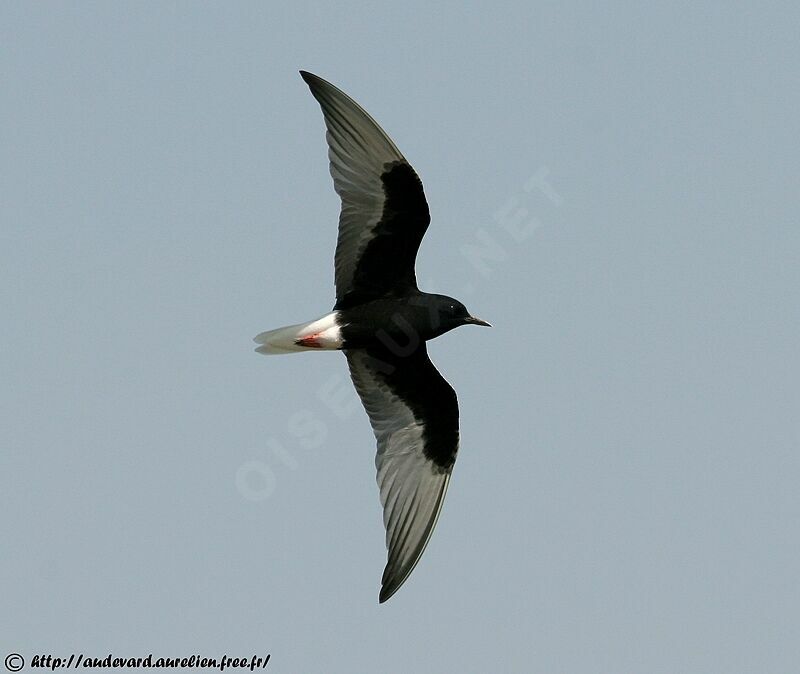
x=414, y=414
x=384, y=213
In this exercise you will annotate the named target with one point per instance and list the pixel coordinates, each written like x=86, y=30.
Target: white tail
x=323, y=333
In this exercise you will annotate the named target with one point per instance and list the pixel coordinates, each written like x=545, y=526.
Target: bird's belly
x=388, y=337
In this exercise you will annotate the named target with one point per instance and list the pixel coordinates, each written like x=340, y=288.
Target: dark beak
x=477, y=321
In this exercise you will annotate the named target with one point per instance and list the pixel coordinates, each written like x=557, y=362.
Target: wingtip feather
x=386, y=593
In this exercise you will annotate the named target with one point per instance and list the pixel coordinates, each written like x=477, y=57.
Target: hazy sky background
x=626, y=495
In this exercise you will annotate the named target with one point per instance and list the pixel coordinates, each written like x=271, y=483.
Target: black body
x=400, y=324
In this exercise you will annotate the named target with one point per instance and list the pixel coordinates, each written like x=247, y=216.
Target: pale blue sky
x=626, y=496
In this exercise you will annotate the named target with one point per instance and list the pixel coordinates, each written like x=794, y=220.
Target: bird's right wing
x=414, y=414
x=384, y=212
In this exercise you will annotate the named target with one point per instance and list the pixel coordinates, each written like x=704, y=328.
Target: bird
x=381, y=321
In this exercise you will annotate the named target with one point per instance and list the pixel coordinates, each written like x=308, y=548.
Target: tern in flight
x=381, y=321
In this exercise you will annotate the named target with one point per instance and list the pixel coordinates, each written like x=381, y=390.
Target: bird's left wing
x=414, y=414
x=384, y=212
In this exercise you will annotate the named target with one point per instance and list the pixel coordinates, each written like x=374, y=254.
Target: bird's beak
x=477, y=321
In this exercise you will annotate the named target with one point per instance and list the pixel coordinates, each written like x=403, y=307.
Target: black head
x=453, y=314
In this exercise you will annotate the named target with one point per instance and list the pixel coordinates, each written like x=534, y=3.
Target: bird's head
x=453, y=314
